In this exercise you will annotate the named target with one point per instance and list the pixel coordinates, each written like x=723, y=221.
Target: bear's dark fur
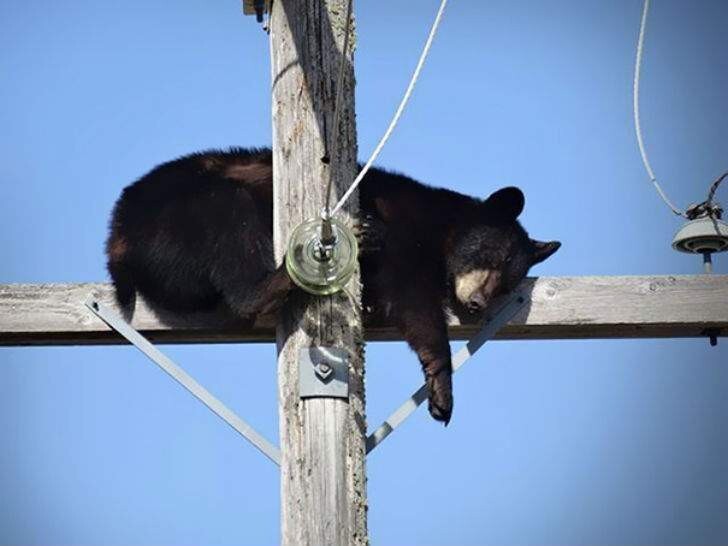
x=196, y=232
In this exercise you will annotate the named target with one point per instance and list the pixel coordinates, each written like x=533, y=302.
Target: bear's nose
x=476, y=303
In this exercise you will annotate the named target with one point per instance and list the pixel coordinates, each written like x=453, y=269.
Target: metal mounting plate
x=323, y=372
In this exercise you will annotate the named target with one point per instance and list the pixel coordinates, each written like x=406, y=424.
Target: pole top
x=257, y=8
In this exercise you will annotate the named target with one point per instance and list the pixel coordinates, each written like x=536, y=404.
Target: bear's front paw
x=440, y=399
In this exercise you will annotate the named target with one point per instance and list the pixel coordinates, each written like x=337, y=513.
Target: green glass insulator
x=321, y=266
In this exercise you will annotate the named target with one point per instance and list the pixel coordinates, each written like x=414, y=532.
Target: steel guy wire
x=337, y=105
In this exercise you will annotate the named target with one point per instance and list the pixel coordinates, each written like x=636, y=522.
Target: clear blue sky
x=593, y=442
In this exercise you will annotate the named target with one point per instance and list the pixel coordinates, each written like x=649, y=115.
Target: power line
x=398, y=112
x=636, y=112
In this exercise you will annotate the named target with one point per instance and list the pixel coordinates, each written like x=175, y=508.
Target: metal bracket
x=184, y=379
x=501, y=316
x=323, y=372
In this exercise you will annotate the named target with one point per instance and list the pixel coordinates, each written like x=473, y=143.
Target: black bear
x=197, y=232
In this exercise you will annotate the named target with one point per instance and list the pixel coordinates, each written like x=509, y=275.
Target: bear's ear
x=542, y=250
x=506, y=203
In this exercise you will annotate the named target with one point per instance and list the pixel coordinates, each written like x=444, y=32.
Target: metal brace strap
x=184, y=379
x=509, y=308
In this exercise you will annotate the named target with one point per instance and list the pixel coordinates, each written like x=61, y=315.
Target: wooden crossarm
x=560, y=308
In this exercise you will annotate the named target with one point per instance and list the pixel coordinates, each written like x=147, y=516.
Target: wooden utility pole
x=323, y=480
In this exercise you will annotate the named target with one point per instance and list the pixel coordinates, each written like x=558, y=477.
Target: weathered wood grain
x=323, y=481
x=561, y=308
x=54, y=314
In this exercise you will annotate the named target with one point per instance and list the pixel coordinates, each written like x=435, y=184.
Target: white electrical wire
x=398, y=113
x=636, y=111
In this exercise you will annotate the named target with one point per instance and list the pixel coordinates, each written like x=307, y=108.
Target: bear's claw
x=440, y=400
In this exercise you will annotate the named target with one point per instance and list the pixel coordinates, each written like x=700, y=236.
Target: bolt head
x=324, y=371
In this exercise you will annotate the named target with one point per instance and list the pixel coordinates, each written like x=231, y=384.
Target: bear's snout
x=477, y=302
x=475, y=288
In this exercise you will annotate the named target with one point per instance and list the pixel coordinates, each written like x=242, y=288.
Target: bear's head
x=491, y=253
